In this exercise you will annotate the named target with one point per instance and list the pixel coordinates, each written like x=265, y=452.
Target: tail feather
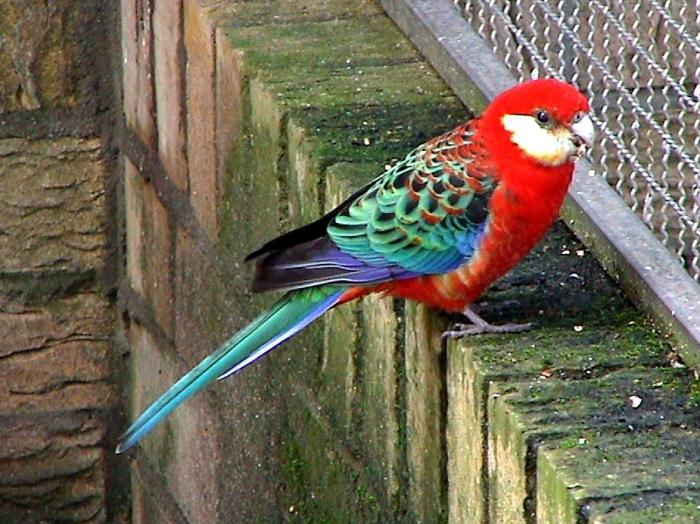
x=283, y=320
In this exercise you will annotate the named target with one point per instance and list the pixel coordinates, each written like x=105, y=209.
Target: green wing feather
x=427, y=213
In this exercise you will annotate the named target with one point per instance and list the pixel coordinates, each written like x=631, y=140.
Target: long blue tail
x=284, y=319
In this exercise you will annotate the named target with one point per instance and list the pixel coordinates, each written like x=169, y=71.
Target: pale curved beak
x=584, y=131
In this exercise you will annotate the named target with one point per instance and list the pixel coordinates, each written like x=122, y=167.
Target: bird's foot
x=479, y=326
x=466, y=330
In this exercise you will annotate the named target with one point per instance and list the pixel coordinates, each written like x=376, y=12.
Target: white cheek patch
x=551, y=147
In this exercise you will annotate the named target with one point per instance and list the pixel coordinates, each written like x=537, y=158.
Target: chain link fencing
x=638, y=62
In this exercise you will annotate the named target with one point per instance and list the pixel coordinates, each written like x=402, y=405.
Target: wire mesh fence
x=638, y=62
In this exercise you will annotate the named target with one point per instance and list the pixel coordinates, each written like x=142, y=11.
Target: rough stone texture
x=58, y=386
x=158, y=250
x=137, y=77
x=55, y=381
x=55, y=357
x=288, y=11
x=134, y=218
x=563, y=287
x=363, y=423
x=52, y=468
x=465, y=439
x=195, y=326
x=380, y=384
x=678, y=507
x=201, y=116
x=229, y=105
x=339, y=369
x=304, y=173
x=170, y=89
x=52, y=205
x=266, y=195
x=144, y=507
x=424, y=413
x=325, y=482
x=40, y=54
x=151, y=502
x=185, y=449
x=506, y=465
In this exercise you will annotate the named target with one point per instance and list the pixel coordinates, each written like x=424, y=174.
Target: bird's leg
x=479, y=326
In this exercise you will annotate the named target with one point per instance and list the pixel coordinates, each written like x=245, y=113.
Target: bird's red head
x=542, y=121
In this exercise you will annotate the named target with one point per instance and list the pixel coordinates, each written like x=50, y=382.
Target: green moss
x=564, y=386
x=555, y=504
x=625, y=461
x=346, y=43
x=680, y=507
x=243, y=14
x=693, y=401
x=593, y=443
x=377, y=133
x=320, y=481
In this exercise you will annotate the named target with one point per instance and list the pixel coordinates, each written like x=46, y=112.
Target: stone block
x=268, y=47
x=201, y=116
x=322, y=480
x=169, y=80
x=210, y=309
x=56, y=357
x=289, y=11
x=150, y=501
x=634, y=475
x=229, y=105
x=196, y=317
x=266, y=196
x=554, y=445
x=473, y=364
x=678, y=507
x=185, y=448
x=304, y=177
x=158, y=254
x=466, y=439
x=338, y=367
x=425, y=393
x=379, y=408
x=54, y=207
x=507, y=464
x=144, y=509
x=41, y=56
x=52, y=468
x=135, y=227
x=137, y=78
x=352, y=111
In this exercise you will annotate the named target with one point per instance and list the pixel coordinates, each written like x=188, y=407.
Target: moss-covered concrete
x=323, y=481
x=379, y=395
x=377, y=423
x=544, y=401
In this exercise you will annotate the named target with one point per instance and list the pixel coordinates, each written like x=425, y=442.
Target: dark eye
x=543, y=117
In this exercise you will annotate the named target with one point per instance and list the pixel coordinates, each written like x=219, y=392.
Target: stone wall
x=59, y=380
x=244, y=119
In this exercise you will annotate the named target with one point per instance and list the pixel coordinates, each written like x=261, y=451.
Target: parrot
x=437, y=227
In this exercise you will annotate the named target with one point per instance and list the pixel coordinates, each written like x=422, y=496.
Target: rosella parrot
x=438, y=227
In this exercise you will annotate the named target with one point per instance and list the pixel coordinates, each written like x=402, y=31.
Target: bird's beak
x=584, y=132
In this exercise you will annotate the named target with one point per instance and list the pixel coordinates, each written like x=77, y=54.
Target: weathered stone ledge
x=366, y=416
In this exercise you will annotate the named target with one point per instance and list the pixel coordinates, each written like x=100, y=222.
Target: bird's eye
x=543, y=117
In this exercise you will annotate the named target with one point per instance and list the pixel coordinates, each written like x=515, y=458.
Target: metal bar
x=645, y=269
